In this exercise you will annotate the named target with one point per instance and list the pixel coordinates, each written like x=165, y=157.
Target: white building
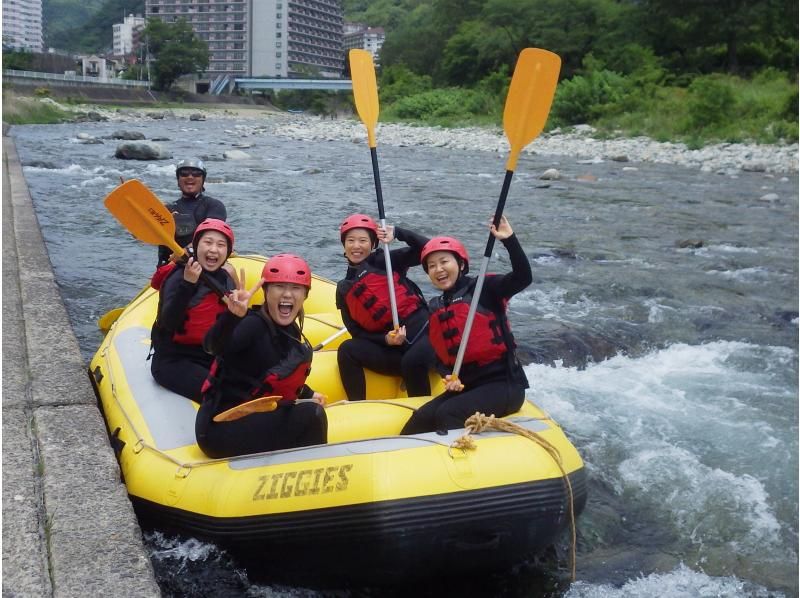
x=22, y=25
x=263, y=38
x=95, y=66
x=359, y=36
x=124, y=34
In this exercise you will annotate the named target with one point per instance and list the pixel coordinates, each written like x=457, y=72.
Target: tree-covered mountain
x=84, y=25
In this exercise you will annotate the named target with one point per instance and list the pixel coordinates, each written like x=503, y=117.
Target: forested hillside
x=84, y=25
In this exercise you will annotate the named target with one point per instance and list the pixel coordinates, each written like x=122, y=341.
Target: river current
x=682, y=284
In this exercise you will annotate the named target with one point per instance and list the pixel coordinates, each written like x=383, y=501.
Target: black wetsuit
x=496, y=388
x=180, y=367
x=188, y=213
x=411, y=360
x=247, y=348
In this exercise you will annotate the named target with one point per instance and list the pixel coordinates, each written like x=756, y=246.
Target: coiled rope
x=477, y=423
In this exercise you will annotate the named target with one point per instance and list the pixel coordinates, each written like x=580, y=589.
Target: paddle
x=107, y=319
x=530, y=96
x=259, y=405
x=365, y=93
x=331, y=338
x=145, y=217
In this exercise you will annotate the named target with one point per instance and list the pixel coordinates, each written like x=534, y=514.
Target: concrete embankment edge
x=68, y=526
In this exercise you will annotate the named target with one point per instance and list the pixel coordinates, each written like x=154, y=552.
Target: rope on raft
x=477, y=423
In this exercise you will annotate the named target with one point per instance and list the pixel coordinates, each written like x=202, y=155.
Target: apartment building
x=124, y=34
x=360, y=37
x=22, y=25
x=263, y=38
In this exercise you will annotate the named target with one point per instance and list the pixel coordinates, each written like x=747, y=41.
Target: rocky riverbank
x=579, y=142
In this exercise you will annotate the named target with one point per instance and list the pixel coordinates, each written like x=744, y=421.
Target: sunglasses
x=194, y=173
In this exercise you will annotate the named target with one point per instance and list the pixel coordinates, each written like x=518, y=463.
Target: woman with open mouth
x=491, y=380
x=255, y=398
x=187, y=309
x=363, y=297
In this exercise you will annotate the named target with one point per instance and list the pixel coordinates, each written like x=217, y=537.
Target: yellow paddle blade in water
x=365, y=90
x=529, y=98
x=142, y=214
x=107, y=319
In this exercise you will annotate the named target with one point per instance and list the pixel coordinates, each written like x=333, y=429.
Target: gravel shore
x=578, y=142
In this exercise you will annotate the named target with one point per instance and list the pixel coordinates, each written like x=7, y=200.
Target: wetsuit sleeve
x=306, y=392
x=177, y=293
x=229, y=333
x=407, y=257
x=520, y=277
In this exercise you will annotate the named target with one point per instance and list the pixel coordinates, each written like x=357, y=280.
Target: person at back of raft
x=187, y=308
x=491, y=378
x=363, y=298
x=192, y=207
x=261, y=352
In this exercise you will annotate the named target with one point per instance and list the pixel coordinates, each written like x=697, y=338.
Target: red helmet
x=444, y=244
x=286, y=267
x=213, y=224
x=359, y=221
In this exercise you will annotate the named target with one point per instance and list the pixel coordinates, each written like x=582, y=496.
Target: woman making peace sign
x=261, y=351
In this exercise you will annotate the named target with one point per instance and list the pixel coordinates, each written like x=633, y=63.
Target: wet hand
x=192, y=271
x=503, y=231
x=386, y=235
x=452, y=383
x=395, y=338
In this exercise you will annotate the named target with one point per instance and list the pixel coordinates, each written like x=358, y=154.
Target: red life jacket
x=161, y=274
x=284, y=379
x=199, y=318
x=446, y=325
x=369, y=303
x=287, y=377
x=204, y=309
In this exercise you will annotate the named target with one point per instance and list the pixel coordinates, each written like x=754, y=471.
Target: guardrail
x=75, y=79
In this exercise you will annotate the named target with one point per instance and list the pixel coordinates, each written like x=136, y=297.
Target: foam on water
x=553, y=302
x=692, y=440
x=745, y=274
x=682, y=582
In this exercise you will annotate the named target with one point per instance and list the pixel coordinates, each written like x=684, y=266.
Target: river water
x=689, y=427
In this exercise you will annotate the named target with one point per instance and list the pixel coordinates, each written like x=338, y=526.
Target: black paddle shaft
x=211, y=282
x=373, y=152
x=498, y=213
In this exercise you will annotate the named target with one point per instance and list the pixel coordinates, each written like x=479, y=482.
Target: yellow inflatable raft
x=370, y=505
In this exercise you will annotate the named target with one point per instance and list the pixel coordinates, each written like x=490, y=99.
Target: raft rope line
x=478, y=422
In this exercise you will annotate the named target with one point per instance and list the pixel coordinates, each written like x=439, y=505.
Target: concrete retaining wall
x=68, y=526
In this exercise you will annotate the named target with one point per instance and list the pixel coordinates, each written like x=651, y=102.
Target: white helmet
x=191, y=163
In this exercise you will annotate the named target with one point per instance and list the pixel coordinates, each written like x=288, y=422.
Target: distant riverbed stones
x=575, y=143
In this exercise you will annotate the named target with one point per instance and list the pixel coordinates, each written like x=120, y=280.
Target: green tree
x=417, y=43
x=177, y=50
x=474, y=51
x=20, y=60
x=734, y=35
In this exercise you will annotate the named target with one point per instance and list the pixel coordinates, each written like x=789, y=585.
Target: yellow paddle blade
x=107, y=319
x=259, y=405
x=365, y=90
x=142, y=214
x=529, y=98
